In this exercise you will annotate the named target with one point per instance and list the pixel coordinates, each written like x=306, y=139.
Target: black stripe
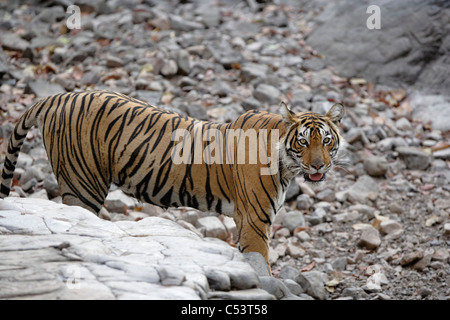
x=4, y=189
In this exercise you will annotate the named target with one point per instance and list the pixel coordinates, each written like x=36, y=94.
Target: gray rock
x=116, y=201
x=304, y=202
x=241, y=276
x=289, y=272
x=43, y=89
x=292, y=191
x=213, y=227
x=151, y=97
x=391, y=227
x=293, y=219
x=326, y=195
x=250, y=294
x=24, y=161
x=365, y=188
x=51, y=186
x=72, y=254
x=266, y=93
x=251, y=71
x=376, y=166
x=446, y=229
x=339, y=264
x=250, y=104
x=90, y=77
x=183, y=62
x=197, y=111
x=414, y=158
x=210, y=14
x=443, y=154
x=218, y=280
x=313, y=284
x=313, y=64
x=169, y=68
x=113, y=62
x=391, y=143
x=11, y=41
x=275, y=287
x=170, y=276
x=318, y=216
x=370, y=238
x=51, y=15
x=390, y=57
x=403, y=124
x=293, y=287
x=181, y=24
x=258, y=263
x=431, y=108
x=294, y=250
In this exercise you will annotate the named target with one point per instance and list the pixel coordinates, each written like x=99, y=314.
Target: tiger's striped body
x=97, y=138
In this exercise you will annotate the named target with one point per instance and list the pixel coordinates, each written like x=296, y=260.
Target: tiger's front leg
x=253, y=232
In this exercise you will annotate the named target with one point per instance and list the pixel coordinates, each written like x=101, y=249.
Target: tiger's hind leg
x=72, y=196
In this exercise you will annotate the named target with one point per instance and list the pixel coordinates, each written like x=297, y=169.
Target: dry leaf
x=309, y=267
x=298, y=229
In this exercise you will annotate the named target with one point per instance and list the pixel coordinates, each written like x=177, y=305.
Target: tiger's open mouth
x=315, y=177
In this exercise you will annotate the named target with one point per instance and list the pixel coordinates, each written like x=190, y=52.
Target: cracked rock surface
x=52, y=251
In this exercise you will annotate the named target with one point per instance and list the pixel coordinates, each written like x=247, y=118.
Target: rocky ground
x=379, y=228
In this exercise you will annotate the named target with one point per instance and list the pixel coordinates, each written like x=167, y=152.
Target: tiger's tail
x=26, y=122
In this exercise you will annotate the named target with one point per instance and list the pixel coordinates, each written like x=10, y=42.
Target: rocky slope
x=378, y=229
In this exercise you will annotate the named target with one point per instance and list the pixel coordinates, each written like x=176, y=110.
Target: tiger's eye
x=326, y=140
x=303, y=141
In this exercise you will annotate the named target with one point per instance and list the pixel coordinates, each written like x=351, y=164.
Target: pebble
x=113, y=62
x=117, y=201
x=411, y=257
x=183, y=62
x=376, y=166
x=275, y=287
x=258, y=263
x=295, y=251
x=375, y=281
x=11, y=41
x=181, y=24
x=326, y=195
x=169, y=68
x=266, y=94
x=42, y=88
x=364, y=189
x=391, y=228
x=304, y=202
x=370, y=238
x=213, y=227
x=293, y=219
x=414, y=158
x=313, y=283
x=447, y=229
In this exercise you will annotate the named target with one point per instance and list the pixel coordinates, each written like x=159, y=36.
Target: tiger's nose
x=317, y=165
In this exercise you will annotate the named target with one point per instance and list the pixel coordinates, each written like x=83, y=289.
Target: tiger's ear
x=336, y=113
x=288, y=115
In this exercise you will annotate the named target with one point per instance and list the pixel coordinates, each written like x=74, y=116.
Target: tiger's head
x=312, y=142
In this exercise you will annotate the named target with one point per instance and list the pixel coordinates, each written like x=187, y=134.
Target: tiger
x=97, y=138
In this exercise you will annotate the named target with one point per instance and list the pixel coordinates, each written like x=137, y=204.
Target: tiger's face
x=312, y=142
